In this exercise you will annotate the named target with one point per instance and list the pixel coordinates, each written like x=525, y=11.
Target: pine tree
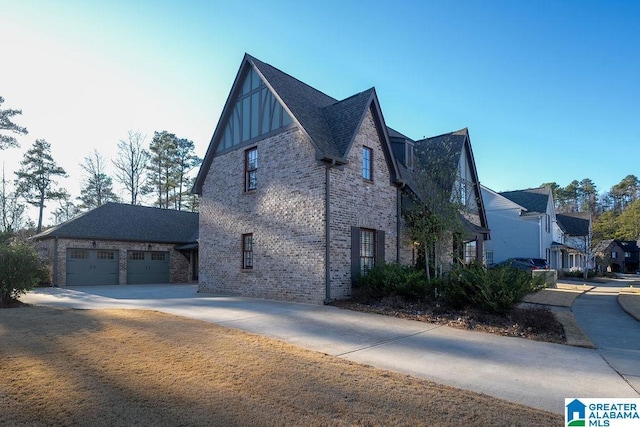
x=6, y=124
x=36, y=177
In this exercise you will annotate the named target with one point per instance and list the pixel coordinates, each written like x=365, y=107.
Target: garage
x=92, y=267
x=147, y=267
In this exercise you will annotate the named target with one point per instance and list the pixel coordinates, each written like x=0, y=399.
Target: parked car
x=527, y=264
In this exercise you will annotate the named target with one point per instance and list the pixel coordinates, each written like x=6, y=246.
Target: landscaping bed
x=537, y=324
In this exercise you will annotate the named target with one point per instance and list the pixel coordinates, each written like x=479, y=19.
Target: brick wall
x=356, y=202
x=286, y=215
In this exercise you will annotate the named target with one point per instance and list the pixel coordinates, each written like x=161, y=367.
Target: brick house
x=617, y=256
x=117, y=244
x=300, y=192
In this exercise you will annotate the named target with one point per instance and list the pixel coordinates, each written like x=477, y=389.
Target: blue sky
x=549, y=90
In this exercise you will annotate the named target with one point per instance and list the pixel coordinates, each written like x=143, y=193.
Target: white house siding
x=356, y=202
x=512, y=234
x=285, y=214
x=55, y=252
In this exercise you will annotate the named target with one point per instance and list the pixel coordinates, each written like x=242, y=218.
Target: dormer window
x=408, y=155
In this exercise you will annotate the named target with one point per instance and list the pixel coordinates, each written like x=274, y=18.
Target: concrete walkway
x=615, y=333
x=536, y=374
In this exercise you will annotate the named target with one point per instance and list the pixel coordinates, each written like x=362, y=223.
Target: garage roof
x=118, y=221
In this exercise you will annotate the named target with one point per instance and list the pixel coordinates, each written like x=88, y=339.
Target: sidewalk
x=560, y=300
x=535, y=374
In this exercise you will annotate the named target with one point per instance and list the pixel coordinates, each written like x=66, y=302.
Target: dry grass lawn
x=128, y=367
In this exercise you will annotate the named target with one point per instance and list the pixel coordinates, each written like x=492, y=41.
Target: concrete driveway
x=615, y=333
x=536, y=374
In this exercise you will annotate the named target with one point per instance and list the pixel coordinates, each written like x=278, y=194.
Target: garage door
x=92, y=267
x=146, y=267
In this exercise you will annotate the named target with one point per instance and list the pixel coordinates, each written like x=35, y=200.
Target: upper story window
x=548, y=223
x=367, y=163
x=409, y=155
x=614, y=254
x=627, y=254
x=251, y=169
x=256, y=112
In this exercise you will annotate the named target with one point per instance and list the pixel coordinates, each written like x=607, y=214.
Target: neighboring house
x=300, y=192
x=117, y=244
x=450, y=168
x=617, y=256
x=575, y=252
x=523, y=224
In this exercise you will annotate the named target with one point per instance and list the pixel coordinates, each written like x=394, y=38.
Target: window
x=367, y=249
x=158, y=256
x=409, y=155
x=367, y=163
x=627, y=254
x=470, y=252
x=136, y=256
x=488, y=257
x=614, y=255
x=106, y=255
x=251, y=169
x=79, y=254
x=548, y=223
x=247, y=251
x=256, y=112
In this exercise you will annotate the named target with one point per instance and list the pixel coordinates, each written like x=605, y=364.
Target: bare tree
x=131, y=165
x=11, y=211
x=97, y=186
x=7, y=141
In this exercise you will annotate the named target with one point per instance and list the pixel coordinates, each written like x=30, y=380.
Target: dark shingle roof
x=575, y=224
x=117, y=221
x=534, y=200
x=305, y=102
x=330, y=124
x=441, y=155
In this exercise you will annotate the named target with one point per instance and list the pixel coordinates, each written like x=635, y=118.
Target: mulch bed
x=537, y=324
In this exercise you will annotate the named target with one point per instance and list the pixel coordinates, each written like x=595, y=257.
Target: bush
x=20, y=270
x=495, y=290
x=579, y=274
x=389, y=280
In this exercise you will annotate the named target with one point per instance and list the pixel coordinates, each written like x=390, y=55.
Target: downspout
x=398, y=220
x=327, y=231
x=54, y=282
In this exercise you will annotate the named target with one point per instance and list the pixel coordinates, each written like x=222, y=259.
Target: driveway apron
x=615, y=333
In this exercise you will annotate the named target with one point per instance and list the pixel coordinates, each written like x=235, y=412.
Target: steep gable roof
x=440, y=157
x=118, y=221
x=329, y=124
x=534, y=200
x=575, y=224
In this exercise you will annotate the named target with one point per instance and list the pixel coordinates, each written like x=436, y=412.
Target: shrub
x=495, y=290
x=388, y=280
x=20, y=270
